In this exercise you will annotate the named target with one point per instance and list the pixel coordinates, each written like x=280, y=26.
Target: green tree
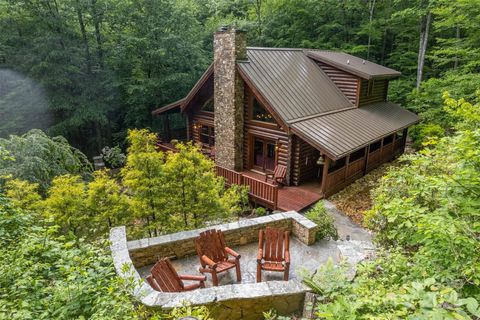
x=65, y=204
x=23, y=194
x=106, y=203
x=194, y=191
x=37, y=158
x=143, y=175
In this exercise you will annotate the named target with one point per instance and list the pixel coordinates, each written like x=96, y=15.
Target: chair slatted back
x=211, y=243
x=280, y=172
x=166, y=277
x=274, y=245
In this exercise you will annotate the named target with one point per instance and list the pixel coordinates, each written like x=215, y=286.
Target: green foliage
x=426, y=219
x=175, y=190
x=105, y=203
x=87, y=70
x=430, y=205
x=328, y=281
x=23, y=194
x=429, y=102
x=143, y=175
x=46, y=276
x=65, y=204
x=260, y=211
x=319, y=215
x=113, y=157
x=424, y=134
x=37, y=158
x=200, y=313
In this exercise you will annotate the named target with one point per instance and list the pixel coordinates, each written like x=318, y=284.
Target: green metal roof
x=343, y=132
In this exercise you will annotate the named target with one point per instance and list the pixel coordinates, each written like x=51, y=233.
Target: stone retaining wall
x=235, y=301
x=147, y=251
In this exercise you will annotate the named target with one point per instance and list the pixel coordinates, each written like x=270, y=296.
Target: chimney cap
x=232, y=28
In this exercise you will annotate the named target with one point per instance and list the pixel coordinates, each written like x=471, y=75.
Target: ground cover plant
x=425, y=215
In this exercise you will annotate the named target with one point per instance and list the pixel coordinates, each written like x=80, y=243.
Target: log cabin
x=324, y=115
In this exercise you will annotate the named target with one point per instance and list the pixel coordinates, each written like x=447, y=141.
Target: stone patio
x=232, y=300
x=302, y=257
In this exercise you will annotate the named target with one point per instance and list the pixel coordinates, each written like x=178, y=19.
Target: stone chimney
x=229, y=46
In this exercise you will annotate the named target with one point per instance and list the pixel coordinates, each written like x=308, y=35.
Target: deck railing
x=230, y=176
x=260, y=191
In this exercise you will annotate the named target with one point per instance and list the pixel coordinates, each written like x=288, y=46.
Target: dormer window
x=260, y=114
x=208, y=106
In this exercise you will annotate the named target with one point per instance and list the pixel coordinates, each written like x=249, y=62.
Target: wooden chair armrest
x=192, y=286
x=267, y=175
x=192, y=277
x=232, y=253
x=287, y=257
x=209, y=261
x=260, y=255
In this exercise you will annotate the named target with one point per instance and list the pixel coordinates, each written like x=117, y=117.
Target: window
x=260, y=114
x=207, y=135
x=208, y=105
x=388, y=140
x=375, y=146
x=357, y=155
x=337, y=164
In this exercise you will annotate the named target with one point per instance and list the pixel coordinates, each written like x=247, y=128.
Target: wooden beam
x=325, y=175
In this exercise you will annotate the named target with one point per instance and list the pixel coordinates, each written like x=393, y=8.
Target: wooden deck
x=298, y=198
x=293, y=198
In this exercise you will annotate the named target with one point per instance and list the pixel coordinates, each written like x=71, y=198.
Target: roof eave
x=206, y=75
x=357, y=73
x=168, y=107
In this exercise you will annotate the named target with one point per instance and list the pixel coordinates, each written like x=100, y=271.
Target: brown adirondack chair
x=278, y=176
x=273, y=252
x=214, y=255
x=164, y=278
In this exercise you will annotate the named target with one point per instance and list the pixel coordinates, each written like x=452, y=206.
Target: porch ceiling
x=341, y=133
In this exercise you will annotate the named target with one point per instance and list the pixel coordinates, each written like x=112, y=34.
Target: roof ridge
x=274, y=49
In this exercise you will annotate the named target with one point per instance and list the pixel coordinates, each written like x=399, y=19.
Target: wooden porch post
x=325, y=175
x=347, y=163
x=366, y=159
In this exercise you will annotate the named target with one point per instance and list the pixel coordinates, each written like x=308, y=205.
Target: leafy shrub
x=200, y=313
x=326, y=228
x=37, y=158
x=425, y=133
x=260, y=211
x=328, y=281
x=113, y=157
x=45, y=276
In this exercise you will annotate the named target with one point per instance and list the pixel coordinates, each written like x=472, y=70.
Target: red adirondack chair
x=273, y=252
x=214, y=255
x=164, y=278
x=278, y=176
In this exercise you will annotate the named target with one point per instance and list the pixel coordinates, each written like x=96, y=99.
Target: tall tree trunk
x=424, y=30
x=258, y=11
x=372, y=7
x=457, y=38
x=84, y=36
x=98, y=35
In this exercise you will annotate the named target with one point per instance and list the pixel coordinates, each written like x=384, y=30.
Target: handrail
x=258, y=189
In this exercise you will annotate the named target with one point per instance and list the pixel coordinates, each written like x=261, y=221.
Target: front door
x=264, y=154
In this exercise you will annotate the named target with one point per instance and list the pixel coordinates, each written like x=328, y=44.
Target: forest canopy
x=90, y=69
